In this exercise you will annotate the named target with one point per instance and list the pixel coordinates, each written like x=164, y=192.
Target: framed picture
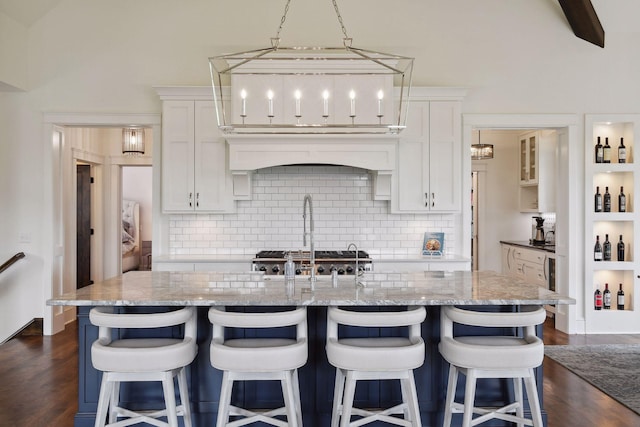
x=433, y=244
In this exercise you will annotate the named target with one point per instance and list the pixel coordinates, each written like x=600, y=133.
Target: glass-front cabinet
x=612, y=225
x=528, y=158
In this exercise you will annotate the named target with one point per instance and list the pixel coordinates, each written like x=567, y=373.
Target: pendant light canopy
x=481, y=151
x=311, y=89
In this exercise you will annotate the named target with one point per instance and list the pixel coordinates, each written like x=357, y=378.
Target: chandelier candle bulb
x=298, y=95
x=325, y=103
x=270, y=98
x=243, y=95
x=352, y=96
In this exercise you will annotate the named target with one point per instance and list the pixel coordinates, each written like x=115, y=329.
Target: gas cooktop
x=335, y=254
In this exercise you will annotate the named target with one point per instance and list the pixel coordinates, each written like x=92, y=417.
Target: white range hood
x=374, y=152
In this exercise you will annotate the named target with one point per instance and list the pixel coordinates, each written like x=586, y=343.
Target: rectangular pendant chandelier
x=311, y=89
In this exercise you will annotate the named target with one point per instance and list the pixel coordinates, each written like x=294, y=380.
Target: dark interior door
x=83, y=226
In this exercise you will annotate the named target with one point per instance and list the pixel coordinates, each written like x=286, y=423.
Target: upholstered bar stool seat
x=493, y=357
x=375, y=358
x=259, y=359
x=143, y=359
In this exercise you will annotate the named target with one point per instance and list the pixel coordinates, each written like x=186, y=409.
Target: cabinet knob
x=433, y=199
x=197, y=200
x=190, y=198
x=426, y=200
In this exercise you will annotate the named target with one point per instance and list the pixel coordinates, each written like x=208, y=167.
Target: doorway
x=84, y=230
x=569, y=263
x=136, y=217
x=59, y=238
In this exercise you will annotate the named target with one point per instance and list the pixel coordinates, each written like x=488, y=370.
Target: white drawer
x=536, y=257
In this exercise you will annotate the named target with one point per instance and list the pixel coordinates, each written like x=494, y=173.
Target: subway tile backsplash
x=343, y=208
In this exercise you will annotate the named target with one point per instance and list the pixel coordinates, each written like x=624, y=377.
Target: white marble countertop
x=146, y=288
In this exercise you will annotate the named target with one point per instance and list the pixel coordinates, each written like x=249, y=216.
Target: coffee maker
x=538, y=236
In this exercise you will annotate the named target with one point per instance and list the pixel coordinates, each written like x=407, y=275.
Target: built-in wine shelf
x=611, y=188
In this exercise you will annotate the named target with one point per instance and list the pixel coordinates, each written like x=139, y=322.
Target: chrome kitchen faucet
x=357, y=272
x=312, y=252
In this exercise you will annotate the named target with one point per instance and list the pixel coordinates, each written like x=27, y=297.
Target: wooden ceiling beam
x=583, y=20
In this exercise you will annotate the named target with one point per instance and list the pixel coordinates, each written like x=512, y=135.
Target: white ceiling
x=27, y=12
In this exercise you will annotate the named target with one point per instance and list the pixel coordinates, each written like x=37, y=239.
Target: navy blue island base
x=316, y=377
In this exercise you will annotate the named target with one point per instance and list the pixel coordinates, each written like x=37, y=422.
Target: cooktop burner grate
x=334, y=254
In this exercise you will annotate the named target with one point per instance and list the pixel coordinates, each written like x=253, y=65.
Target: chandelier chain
x=284, y=18
x=344, y=30
x=335, y=7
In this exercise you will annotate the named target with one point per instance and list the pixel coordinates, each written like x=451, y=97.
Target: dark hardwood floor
x=38, y=384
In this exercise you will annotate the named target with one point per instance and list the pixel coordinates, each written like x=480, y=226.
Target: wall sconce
x=481, y=151
x=133, y=141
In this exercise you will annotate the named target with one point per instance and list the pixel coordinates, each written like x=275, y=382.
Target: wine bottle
x=622, y=201
x=597, y=299
x=599, y=152
x=606, y=297
x=606, y=249
x=598, y=200
x=606, y=151
x=622, y=152
x=607, y=200
x=620, y=298
x=597, y=250
x=620, y=249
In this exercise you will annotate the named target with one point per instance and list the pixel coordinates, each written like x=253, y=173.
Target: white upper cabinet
x=429, y=159
x=537, y=190
x=528, y=158
x=195, y=175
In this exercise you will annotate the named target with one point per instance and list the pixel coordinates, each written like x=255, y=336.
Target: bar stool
x=375, y=358
x=259, y=359
x=143, y=359
x=492, y=357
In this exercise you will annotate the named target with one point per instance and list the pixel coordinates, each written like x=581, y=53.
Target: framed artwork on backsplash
x=433, y=244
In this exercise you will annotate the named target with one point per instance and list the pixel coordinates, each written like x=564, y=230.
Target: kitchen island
x=150, y=291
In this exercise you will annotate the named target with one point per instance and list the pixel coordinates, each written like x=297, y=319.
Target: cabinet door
x=212, y=186
x=506, y=261
x=412, y=156
x=529, y=158
x=444, y=156
x=177, y=156
x=429, y=158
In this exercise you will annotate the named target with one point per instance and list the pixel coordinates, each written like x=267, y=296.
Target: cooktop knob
x=349, y=269
x=263, y=268
x=320, y=269
x=341, y=271
x=275, y=268
x=298, y=271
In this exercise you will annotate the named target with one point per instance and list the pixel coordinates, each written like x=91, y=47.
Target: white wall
x=13, y=60
x=515, y=56
x=500, y=217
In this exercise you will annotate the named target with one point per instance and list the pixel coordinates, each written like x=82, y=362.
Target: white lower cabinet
x=429, y=159
x=195, y=176
x=531, y=265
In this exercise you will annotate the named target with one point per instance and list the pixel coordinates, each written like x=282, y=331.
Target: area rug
x=612, y=368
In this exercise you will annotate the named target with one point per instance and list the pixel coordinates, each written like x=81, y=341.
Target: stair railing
x=12, y=261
